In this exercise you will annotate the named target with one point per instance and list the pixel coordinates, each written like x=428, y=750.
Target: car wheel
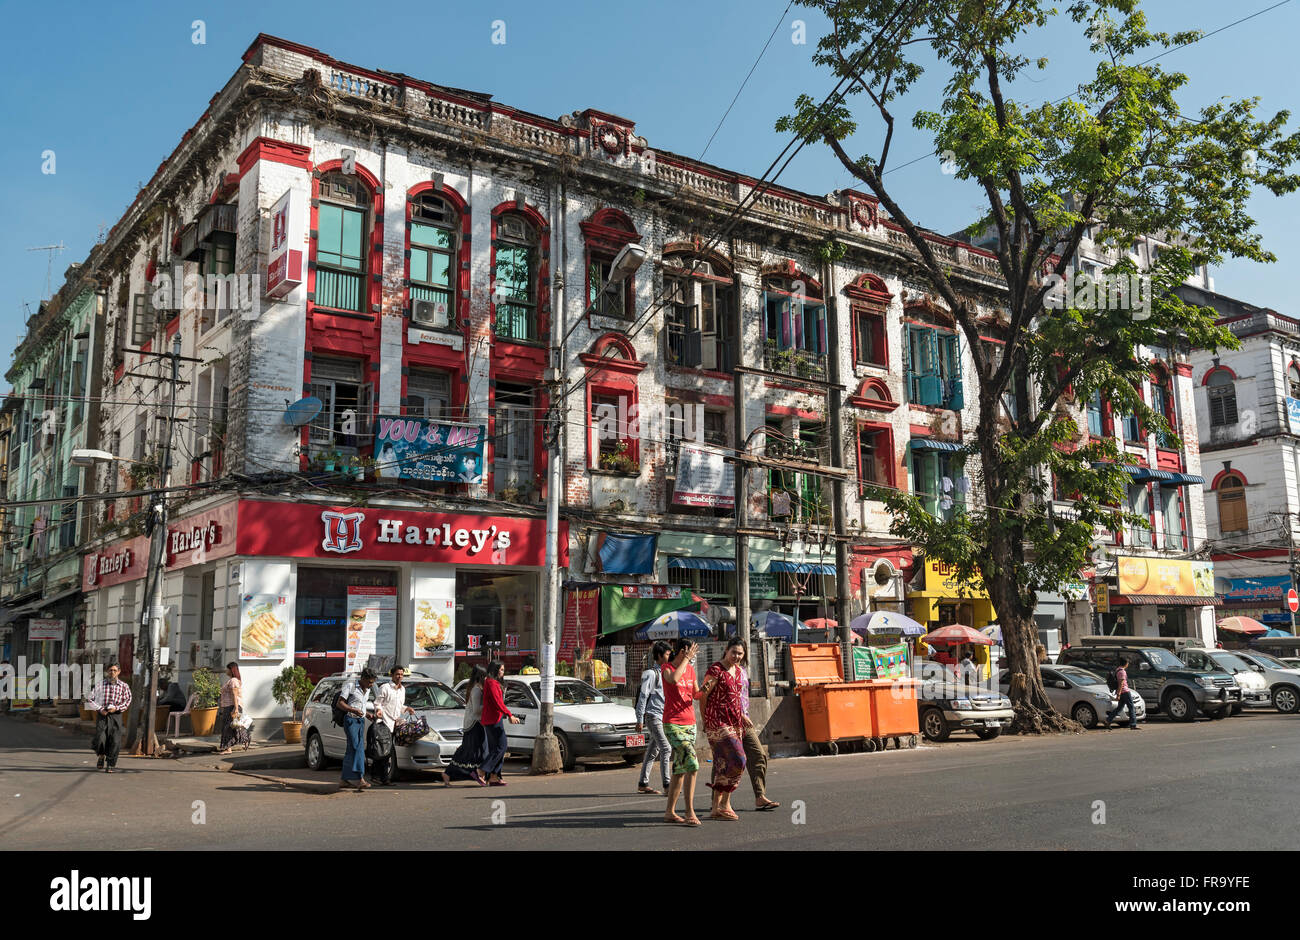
x=315, y=752
x=1085, y=715
x=1180, y=706
x=1286, y=699
x=934, y=725
x=987, y=734
x=566, y=753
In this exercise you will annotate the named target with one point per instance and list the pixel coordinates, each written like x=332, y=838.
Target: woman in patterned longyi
x=724, y=726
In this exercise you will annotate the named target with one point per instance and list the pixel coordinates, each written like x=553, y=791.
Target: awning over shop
x=1188, y=479
x=705, y=564
x=1161, y=600
x=791, y=567
x=627, y=554
x=929, y=443
x=620, y=608
x=1147, y=474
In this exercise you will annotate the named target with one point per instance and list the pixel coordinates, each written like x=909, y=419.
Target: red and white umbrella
x=1242, y=625
x=954, y=634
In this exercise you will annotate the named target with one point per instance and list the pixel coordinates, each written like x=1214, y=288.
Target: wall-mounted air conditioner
x=430, y=313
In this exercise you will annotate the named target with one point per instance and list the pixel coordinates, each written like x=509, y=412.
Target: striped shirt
x=112, y=693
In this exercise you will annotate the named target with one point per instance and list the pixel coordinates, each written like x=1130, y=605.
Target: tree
x=1119, y=159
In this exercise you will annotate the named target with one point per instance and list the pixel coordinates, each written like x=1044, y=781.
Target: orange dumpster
x=833, y=710
x=893, y=710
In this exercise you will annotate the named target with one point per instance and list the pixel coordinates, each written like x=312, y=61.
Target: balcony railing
x=688, y=348
x=797, y=362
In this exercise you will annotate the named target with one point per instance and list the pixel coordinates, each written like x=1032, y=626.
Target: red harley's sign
x=296, y=530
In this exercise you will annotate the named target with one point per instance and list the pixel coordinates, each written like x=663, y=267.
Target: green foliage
x=207, y=688
x=1120, y=159
x=292, y=687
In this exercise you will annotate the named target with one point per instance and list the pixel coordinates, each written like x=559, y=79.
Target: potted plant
x=292, y=687
x=620, y=461
x=207, y=693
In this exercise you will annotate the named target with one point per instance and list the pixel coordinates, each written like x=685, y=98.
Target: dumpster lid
x=816, y=663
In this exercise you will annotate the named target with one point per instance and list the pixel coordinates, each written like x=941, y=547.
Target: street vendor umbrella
x=1273, y=632
x=885, y=622
x=775, y=624
x=956, y=633
x=1243, y=625
x=674, y=624
x=993, y=632
x=821, y=623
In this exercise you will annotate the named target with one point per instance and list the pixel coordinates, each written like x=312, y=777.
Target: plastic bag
x=409, y=730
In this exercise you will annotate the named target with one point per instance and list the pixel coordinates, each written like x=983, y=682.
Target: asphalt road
x=1232, y=784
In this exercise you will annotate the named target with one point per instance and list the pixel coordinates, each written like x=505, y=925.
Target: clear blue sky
x=112, y=96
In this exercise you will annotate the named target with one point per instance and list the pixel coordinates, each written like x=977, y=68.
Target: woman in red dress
x=724, y=726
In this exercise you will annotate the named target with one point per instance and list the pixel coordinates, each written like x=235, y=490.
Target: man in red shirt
x=680, y=693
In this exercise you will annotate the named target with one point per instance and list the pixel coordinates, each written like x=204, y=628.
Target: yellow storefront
x=946, y=600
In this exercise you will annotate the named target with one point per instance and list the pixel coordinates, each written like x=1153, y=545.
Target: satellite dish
x=302, y=411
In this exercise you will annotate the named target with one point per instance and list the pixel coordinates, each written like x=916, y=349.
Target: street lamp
x=546, y=749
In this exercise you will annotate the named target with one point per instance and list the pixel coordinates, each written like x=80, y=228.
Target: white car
x=1283, y=681
x=587, y=723
x=1081, y=694
x=1254, y=690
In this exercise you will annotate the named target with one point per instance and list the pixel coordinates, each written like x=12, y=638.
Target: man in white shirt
x=390, y=704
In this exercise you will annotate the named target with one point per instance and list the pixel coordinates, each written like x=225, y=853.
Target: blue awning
x=1187, y=479
x=705, y=564
x=627, y=554
x=791, y=567
x=929, y=443
x=1143, y=474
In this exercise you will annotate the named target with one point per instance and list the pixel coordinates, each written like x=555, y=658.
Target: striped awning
x=1188, y=479
x=1143, y=474
x=1162, y=600
x=704, y=564
x=791, y=567
x=929, y=443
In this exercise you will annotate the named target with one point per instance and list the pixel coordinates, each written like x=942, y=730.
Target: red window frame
x=884, y=433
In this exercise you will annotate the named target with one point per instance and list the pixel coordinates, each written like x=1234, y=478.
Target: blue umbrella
x=887, y=623
x=1275, y=632
x=673, y=625
x=775, y=624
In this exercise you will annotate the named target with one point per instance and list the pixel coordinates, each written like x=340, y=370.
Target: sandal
x=674, y=818
x=692, y=820
x=732, y=817
x=770, y=804
x=649, y=790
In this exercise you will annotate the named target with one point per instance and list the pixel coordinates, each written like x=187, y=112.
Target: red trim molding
x=1205, y=379
x=275, y=151
x=1218, y=477
x=882, y=403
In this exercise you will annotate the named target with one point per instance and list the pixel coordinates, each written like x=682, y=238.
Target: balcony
x=799, y=363
x=691, y=349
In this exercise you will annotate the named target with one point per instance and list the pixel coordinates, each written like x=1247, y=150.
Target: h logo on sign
x=342, y=531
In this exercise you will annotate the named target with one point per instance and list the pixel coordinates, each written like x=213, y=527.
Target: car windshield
x=1229, y=662
x=1164, y=659
x=1081, y=676
x=432, y=695
x=573, y=692
x=1270, y=661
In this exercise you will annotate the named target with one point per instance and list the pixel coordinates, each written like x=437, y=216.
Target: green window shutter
x=956, y=397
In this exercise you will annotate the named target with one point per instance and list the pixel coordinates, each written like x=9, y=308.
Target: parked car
x=946, y=704
x=1165, y=683
x=1290, y=661
x=444, y=710
x=1254, y=690
x=1283, y=681
x=587, y=723
x=1081, y=694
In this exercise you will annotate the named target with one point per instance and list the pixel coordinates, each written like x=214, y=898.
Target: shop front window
x=497, y=612
x=322, y=612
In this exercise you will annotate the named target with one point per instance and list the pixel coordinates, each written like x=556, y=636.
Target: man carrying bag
x=110, y=699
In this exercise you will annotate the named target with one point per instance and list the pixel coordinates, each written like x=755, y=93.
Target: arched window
x=515, y=278
x=342, y=230
x=1293, y=380
x=1222, y=396
x=1232, y=504
x=434, y=225
x=606, y=232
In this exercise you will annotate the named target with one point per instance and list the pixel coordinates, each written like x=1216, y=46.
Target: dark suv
x=1164, y=681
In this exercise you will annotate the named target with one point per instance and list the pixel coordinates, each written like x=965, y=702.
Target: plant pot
x=202, y=721
x=292, y=732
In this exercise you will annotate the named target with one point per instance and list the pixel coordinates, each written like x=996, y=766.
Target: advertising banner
x=417, y=449
x=762, y=585
x=581, y=617
x=39, y=631
x=704, y=478
x=372, y=625
x=435, y=627
x=618, y=665
x=1269, y=589
x=1293, y=414
x=1166, y=577
x=880, y=662
x=263, y=626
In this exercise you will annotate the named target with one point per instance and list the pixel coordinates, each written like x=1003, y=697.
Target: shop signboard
x=263, y=626
x=288, y=237
x=704, y=478
x=1166, y=577
x=434, y=451
x=45, y=630
x=581, y=618
x=618, y=665
x=1103, y=598
x=306, y=530
x=115, y=564
x=941, y=581
x=435, y=627
x=372, y=625
x=1266, y=590
x=762, y=585
x=1074, y=591
x=1293, y=414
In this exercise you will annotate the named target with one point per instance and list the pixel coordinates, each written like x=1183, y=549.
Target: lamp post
x=152, y=616
x=546, y=749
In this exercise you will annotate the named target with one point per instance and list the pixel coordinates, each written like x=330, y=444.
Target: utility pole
x=742, y=471
x=834, y=395
x=153, y=613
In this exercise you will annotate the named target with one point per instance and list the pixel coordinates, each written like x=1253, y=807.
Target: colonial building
x=366, y=273
x=1248, y=412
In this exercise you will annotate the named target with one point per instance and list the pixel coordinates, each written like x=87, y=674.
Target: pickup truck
x=946, y=704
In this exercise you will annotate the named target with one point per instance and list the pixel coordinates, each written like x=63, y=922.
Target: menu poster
x=435, y=627
x=618, y=665
x=263, y=626
x=581, y=617
x=371, y=626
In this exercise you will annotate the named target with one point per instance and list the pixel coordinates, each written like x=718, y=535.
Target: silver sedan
x=1081, y=694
